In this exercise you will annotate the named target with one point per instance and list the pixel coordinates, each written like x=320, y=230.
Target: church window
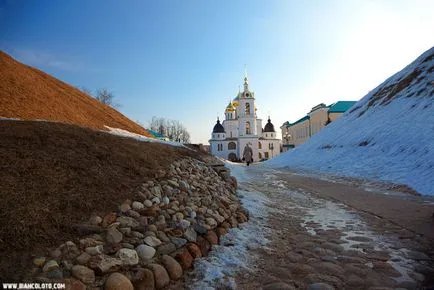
x=248, y=128
x=247, y=108
x=219, y=147
x=232, y=146
x=218, y=135
x=260, y=155
x=259, y=145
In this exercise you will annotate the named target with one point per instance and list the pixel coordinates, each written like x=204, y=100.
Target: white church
x=240, y=127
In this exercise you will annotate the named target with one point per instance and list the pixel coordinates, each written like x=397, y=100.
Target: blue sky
x=184, y=60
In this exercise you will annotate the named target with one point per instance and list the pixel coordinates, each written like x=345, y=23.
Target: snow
x=234, y=253
x=331, y=215
x=398, y=135
x=13, y=119
x=125, y=133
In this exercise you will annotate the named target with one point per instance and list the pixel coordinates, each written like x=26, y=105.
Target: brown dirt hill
x=30, y=94
x=56, y=175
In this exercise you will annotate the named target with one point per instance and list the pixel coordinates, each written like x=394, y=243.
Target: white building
x=240, y=127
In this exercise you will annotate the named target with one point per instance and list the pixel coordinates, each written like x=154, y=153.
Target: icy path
x=295, y=239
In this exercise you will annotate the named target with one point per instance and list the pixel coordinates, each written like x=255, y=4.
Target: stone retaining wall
x=152, y=238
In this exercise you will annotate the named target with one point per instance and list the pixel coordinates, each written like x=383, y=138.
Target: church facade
x=242, y=127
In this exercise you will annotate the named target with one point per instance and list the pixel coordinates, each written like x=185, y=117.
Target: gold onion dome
x=230, y=107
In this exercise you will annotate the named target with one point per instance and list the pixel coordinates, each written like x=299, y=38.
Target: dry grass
x=30, y=94
x=55, y=175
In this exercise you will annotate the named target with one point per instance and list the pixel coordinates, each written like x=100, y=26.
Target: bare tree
x=158, y=125
x=171, y=129
x=106, y=97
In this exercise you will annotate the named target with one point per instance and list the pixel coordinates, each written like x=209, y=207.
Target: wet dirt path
x=331, y=240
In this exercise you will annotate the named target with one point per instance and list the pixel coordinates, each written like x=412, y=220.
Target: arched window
x=260, y=155
x=247, y=108
x=248, y=128
x=232, y=146
x=259, y=146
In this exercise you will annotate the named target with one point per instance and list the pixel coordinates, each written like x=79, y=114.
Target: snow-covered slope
x=387, y=135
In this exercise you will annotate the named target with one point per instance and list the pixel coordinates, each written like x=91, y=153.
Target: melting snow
x=234, y=253
x=334, y=216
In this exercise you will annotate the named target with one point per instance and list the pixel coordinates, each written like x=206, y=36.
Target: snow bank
x=125, y=133
x=388, y=135
x=219, y=269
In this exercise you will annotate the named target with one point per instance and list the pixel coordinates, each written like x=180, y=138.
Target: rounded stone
x=212, y=238
x=204, y=246
x=83, y=274
x=144, y=280
x=178, y=242
x=137, y=205
x=125, y=207
x=94, y=250
x=190, y=235
x=109, y=219
x=161, y=276
x=194, y=250
x=50, y=266
x=184, y=223
x=152, y=228
x=162, y=237
x=118, y=281
x=113, y=236
x=185, y=259
x=83, y=258
x=166, y=200
x=172, y=266
x=145, y=252
x=95, y=220
x=128, y=256
x=152, y=241
x=166, y=248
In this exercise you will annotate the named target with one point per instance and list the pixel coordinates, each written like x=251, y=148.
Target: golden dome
x=230, y=107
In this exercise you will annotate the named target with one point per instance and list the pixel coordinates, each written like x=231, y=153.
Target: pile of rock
x=153, y=238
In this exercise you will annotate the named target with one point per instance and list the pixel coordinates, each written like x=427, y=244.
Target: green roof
x=154, y=134
x=341, y=106
x=338, y=107
x=299, y=121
